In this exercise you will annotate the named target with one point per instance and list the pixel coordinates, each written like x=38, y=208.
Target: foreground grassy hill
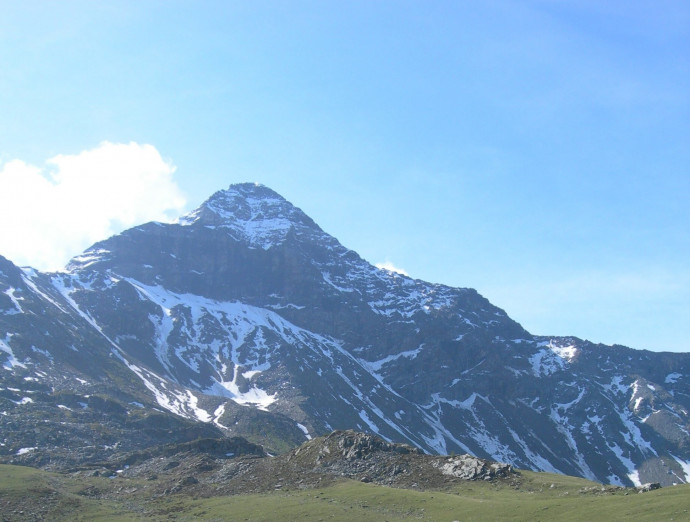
x=30, y=494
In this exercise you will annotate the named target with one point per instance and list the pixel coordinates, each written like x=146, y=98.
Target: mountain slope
x=246, y=305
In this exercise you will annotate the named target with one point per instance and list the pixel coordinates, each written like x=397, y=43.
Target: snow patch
x=89, y=257
x=616, y=386
x=375, y=366
x=685, y=465
x=567, y=405
x=27, y=274
x=544, y=363
x=11, y=362
x=551, y=358
x=253, y=397
x=373, y=427
x=45, y=353
x=671, y=378
x=567, y=353
x=192, y=403
x=327, y=277
x=304, y=430
x=217, y=414
x=283, y=307
x=15, y=301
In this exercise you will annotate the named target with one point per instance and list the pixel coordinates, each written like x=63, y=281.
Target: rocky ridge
x=201, y=467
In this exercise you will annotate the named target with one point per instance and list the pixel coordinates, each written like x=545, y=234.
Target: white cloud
x=51, y=213
x=387, y=265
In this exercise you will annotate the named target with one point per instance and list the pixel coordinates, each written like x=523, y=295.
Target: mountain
x=244, y=318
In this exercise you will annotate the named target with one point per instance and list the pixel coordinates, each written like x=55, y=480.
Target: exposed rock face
x=356, y=445
x=468, y=467
x=245, y=318
x=201, y=467
x=369, y=458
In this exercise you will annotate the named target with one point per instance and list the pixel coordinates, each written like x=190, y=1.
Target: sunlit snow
x=304, y=430
x=672, y=378
x=11, y=361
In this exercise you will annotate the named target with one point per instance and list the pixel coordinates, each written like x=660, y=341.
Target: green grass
x=366, y=502
x=348, y=500
x=24, y=491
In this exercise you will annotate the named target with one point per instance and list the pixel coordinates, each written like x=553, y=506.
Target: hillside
x=344, y=476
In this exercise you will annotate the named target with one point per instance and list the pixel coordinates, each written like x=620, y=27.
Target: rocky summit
x=244, y=318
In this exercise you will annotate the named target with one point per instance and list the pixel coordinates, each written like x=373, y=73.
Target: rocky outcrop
x=356, y=445
x=369, y=458
x=467, y=467
x=323, y=460
x=649, y=486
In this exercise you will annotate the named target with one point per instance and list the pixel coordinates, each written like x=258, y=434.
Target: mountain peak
x=246, y=190
x=251, y=212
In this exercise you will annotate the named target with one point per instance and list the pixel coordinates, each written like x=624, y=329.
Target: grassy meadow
x=30, y=494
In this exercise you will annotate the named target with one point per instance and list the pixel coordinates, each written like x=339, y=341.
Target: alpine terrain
x=244, y=318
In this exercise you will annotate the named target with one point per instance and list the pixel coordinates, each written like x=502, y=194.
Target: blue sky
x=538, y=151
